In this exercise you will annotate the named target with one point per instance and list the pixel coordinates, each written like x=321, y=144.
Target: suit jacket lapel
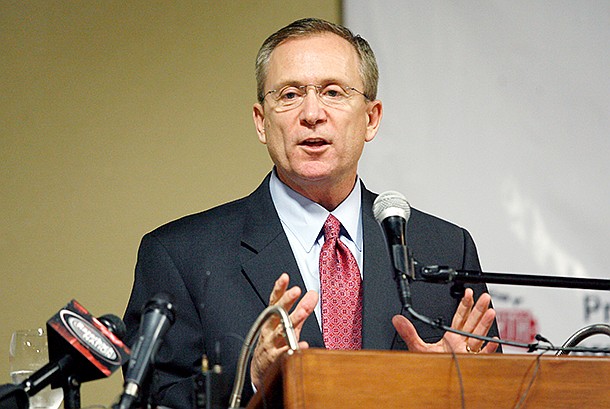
x=380, y=299
x=266, y=253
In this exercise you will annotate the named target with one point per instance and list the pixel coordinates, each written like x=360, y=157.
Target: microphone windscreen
x=114, y=325
x=163, y=302
x=391, y=203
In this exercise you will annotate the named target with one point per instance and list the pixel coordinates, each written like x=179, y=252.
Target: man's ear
x=374, y=114
x=258, y=115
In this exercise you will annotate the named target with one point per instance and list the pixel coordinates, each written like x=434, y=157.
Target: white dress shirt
x=303, y=221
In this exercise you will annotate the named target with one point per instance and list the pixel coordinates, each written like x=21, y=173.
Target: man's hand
x=271, y=343
x=477, y=320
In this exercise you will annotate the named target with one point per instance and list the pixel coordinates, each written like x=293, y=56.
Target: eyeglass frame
x=318, y=89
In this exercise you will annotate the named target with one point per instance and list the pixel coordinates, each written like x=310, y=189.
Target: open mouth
x=314, y=142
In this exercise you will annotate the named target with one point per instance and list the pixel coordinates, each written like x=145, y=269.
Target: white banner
x=497, y=118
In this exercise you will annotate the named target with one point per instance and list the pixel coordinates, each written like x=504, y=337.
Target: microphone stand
x=56, y=374
x=71, y=388
x=13, y=397
x=444, y=274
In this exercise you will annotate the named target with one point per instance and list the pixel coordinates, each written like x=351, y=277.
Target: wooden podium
x=317, y=378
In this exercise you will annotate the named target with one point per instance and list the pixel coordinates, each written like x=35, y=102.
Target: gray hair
x=311, y=26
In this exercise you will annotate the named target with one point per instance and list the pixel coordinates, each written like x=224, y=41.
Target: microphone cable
x=531, y=347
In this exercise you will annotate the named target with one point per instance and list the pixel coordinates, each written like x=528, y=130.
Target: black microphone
x=114, y=325
x=157, y=316
x=13, y=397
x=81, y=348
x=392, y=211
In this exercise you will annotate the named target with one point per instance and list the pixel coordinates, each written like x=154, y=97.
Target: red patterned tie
x=341, y=291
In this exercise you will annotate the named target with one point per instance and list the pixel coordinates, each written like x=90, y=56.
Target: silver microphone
x=391, y=203
x=392, y=211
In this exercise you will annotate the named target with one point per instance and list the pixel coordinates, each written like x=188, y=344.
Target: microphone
x=392, y=211
x=81, y=348
x=157, y=317
x=247, y=348
x=114, y=324
x=13, y=397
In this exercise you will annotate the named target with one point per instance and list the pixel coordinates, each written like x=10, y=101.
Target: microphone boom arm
x=444, y=274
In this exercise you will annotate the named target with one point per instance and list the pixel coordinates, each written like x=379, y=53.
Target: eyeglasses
x=332, y=95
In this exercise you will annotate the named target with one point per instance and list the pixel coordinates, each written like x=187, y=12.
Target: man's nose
x=312, y=110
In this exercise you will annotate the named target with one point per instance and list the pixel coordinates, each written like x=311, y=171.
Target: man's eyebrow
x=294, y=83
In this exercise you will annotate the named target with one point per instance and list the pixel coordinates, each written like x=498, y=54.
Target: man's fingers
x=303, y=310
x=279, y=288
x=482, y=328
x=490, y=348
x=263, y=357
x=271, y=342
x=476, y=318
x=467, y=316
x=485, y=322
x=463, y=310
x=477, y=347
x=282, y=297
x=477, y=313
x=408, y=333
x=289, y=297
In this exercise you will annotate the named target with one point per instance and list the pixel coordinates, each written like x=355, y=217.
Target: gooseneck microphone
x=392, y=212
x=157, y=317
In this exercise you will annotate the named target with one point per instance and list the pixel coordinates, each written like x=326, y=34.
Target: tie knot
x=332, y=225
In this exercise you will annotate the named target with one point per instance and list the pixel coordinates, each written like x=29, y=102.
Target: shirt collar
x=305, y=218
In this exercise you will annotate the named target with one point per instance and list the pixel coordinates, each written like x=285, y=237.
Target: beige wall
x=116, y=117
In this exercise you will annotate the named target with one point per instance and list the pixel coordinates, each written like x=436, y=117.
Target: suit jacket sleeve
x=177, y=360
x=220, y=266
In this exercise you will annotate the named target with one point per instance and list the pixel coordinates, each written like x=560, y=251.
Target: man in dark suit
x=316, y=109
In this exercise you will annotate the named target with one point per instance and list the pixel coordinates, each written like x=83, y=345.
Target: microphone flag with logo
x=95, y=350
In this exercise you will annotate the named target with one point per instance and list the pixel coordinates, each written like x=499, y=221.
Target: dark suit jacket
x=220, y=265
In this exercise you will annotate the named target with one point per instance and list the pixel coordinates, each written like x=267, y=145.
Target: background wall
x=496, y=117
x=116, y=117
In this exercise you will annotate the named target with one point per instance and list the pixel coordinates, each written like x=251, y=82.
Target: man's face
x=315, y=144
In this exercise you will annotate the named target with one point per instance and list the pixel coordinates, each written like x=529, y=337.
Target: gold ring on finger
x=470, y=351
